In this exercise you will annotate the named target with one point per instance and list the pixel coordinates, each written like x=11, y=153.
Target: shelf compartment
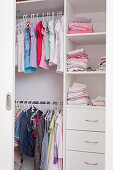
x=87, y=6
x=96, y=73
x=88, y=38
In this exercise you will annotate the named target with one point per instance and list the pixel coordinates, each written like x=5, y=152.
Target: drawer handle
x=93, y=164
x=91, y=142
x=95, y=121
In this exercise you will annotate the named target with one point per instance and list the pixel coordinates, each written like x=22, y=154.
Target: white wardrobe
x=87, y=130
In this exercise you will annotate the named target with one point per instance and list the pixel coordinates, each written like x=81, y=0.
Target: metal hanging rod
x=46, y=14
x=38, y=102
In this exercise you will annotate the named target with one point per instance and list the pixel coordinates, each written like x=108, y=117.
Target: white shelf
x=86, y=6
x=29, y=1
x=88, y=106
x=38, y=6
x=87, y=73
x=59, y=72
x=88, y=38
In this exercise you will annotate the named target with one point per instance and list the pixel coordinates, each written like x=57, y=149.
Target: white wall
x=41, y=85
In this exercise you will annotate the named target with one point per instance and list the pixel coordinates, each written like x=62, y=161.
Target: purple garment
x=33, y=54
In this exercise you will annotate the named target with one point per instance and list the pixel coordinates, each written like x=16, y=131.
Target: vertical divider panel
x=109, y=86
x=64, y=91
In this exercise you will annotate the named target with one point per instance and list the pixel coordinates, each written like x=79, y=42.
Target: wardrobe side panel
x=7, y=51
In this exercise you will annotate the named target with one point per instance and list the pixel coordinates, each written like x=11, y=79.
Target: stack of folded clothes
x=77, y=94
x=80, y=25
x=99, y=101
x=77, y=61
x=102, y=64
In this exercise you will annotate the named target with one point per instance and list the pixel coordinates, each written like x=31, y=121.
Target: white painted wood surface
x=109, y=85
x=85, y=119
x=84, y=161
x=88, y=38
x=85, y=141
x=7, y=67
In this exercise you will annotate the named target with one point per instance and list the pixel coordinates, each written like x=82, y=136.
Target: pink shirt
x=84, y=26
x=79, y=31
x=43, y=63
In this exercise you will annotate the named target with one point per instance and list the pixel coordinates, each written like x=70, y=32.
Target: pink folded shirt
x=79, y=31
x=85, y=26
x=79, y=56
x=76, y=28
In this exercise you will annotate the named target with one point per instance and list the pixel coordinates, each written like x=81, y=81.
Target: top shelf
x=28, y=1
x=87, y=6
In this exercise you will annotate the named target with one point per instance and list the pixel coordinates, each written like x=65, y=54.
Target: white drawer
x=85, y=141
x=92, y=119
x=84, y=161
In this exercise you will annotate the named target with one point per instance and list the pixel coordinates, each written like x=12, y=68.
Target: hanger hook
x=37, y=16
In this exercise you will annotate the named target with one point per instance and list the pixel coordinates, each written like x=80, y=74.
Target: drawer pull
x=91, y=142
x=95, y=121
x=93, y=164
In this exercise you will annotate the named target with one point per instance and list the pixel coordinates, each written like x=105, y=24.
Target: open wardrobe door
x=7, y=43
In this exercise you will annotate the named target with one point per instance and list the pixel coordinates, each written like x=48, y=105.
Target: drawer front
x=85, y=119
x=84, y=161
x=85, y=141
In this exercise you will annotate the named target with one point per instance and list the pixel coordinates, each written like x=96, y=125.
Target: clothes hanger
x=32, y=17
x=53, y=15
x=37, y=17
x=15, y=104
x=43, y=16
x=47, y=16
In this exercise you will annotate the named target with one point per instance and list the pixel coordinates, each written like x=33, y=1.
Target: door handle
x=93, y=121
x=93, y=164
x=91, y=142
x=8, y=101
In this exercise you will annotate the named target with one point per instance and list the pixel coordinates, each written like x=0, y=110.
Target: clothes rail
x=46, y=14
x=39, y=102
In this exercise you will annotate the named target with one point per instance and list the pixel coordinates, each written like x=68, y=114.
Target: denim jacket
x=25, y=128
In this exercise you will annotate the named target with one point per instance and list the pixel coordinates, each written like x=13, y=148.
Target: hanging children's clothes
x=47, y=57
x=60, y=57
x=33, y=52
x=56, y=153
x=16, y=49
x=51, y=131
x=45, y=142
x=59, y=140
x=39, y=41
x=38, y=142
x=40, y=45
x=52, y=42
x=43, y=63
x=57, y=42
x=51, y=165
x=17, y=156
x=28, y=68
x=24, y=128
x=20, y=50
x=17, y=160
x=26, y=139
x=39, y=135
